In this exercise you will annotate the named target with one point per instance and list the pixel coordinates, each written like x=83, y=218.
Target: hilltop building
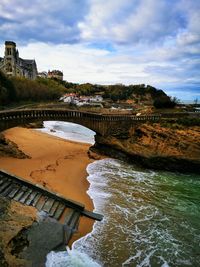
x=42, y=74
x=57, y=74
x=13, y=65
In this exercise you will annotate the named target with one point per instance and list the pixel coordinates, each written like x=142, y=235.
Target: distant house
x=74, y=99
x=57, y=74
x=13, y=65
x=96, y=98
x=68, y=98
x=42, y=74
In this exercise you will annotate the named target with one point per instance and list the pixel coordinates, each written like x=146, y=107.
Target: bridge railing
x=37, y=113
x=49, y=113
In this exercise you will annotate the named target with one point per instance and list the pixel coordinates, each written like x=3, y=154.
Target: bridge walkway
x=64, y=210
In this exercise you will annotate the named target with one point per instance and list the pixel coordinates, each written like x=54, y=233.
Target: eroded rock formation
x=173, y=147
x=14, y=221
x=9, y=148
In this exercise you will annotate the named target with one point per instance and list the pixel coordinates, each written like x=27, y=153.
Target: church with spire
x=12, y=65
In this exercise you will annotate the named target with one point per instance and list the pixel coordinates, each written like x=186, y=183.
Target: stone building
x=13, y=65
x=57, y=74
x=42, y=74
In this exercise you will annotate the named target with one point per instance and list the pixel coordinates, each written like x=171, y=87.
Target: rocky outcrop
x=27, y=236
x=34, y=125
x=14, y=221
x=174, y=148
x=10, y=149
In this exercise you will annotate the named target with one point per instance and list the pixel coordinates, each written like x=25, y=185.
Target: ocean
x=151, y=218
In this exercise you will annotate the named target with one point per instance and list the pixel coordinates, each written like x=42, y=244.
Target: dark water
x=151, y=218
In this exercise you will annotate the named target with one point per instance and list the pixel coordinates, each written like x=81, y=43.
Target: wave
x=69, y=131
x=70, y=258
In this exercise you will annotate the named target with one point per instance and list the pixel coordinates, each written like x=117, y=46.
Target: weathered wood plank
x=1, y=181
x=68, y=216
x=48, y=205
x=53, y=208
x=74, y=220
x=92, y=215
x=20, y=193
x=31, y=197
x=4, y=185
x=67, y=234
x=59, y=211
x=7, y=190
x=16, y=188
x=41, y=202
x=36, y=199
x=25, y=195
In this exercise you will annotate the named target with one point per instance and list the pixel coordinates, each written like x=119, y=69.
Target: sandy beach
x=55, y=163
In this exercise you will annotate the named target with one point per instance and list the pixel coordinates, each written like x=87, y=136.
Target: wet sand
x=55, y=163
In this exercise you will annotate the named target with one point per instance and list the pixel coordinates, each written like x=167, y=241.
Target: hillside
x=20, y=89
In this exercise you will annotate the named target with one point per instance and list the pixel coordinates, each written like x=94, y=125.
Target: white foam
x=69, y=131
x=131, y=259
x=69, y=258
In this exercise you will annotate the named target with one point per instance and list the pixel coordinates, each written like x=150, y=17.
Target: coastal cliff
x=10, y=149
x=15, y=220
x=172, y=147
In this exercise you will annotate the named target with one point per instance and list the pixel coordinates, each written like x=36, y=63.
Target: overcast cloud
x=155, y=42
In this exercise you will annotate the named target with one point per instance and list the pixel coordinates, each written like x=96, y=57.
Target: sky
x=155, y=42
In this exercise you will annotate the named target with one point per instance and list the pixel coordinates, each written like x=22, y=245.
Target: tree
x=7, y=90
x=164, y=102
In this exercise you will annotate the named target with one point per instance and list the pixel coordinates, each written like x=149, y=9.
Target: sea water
x=69, y=131
x=151, y=218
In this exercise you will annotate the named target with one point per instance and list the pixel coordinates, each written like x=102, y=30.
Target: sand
x=57, y=164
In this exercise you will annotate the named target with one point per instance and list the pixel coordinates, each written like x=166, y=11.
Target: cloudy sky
x=155, y=42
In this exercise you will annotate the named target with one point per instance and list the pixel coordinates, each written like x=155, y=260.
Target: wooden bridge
x=66, y=211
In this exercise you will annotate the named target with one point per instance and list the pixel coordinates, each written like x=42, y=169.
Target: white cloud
x=82, y=64
x=114, y=41
x=130, y=21
x=49, y=21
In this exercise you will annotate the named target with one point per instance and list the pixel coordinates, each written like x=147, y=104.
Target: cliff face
x=15, y=219
x=8, y=148
x=172, y=148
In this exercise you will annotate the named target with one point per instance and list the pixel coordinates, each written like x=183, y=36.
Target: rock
x=34, y=125
x=25, y=240
x=94, y=155
x=14, y=220
x=153, y=146
x=10, y=149
x=42, y=238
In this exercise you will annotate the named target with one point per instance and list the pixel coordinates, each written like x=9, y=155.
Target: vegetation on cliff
x=20, y=89
x=7, y=90
x=119, y=92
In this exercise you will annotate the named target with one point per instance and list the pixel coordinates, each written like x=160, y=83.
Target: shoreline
x=57, y=164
